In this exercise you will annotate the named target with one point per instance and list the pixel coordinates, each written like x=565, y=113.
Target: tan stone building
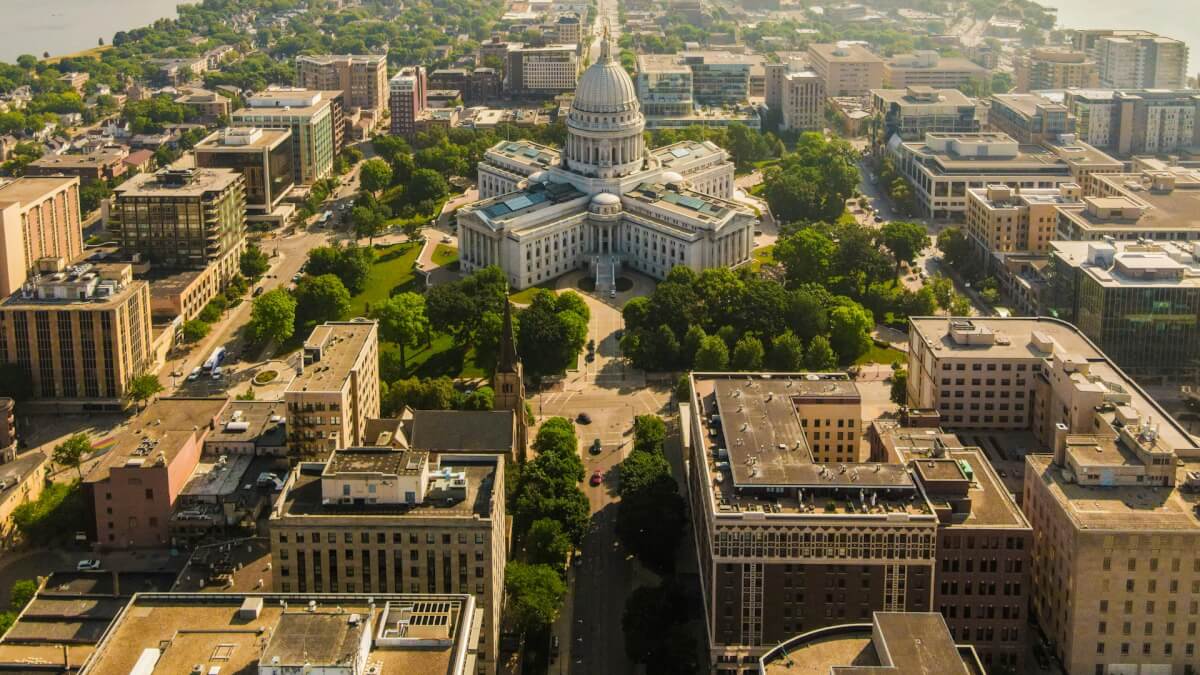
x=81, y=333
x=850, y=70
x=330, y=400
x=39, y=218
x=803, y=101
x=1001, y=219
x=927, y=68
x=21, y=481
x=381, y=520
x=362, y=78
x=1055, y=68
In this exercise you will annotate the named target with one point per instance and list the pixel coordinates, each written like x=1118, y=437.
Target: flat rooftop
x=181, y=183
x=536, y=197
x=684, y=152
x=91, y=160
x=263, y=138
x=1176, y=209
x=385, y=461
x=326, y=59
x=1028, y=105
x=161, y=429
x=341, y=346
x=687, y=203
x=286, y=102
x=261, y=422
x=186, y=629
x=303, y=498
x=13, y=473
x=661, y=63
x=1163, y=264
x=1027, y=158
x=845, y=53
x=30, y=189
x=944, y=97
x=527, y=152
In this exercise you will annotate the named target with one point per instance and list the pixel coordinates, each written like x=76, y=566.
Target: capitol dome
x=605, y=124
x=606, y=199
x=605, y=87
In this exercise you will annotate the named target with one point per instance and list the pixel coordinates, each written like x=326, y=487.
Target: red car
x=597, y=478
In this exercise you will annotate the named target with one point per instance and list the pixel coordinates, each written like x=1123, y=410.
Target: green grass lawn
x=877, y=354
x=762, y=256
x=444, y=255
x=391, y=273
x=441, y=357
x=526, y=296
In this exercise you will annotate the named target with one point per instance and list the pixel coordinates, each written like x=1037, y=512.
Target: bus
x=214, y=359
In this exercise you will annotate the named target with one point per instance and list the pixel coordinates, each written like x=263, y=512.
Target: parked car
x=596, y=478
x=195, y=374
x=297, y=277
x=217, y=373
x=258, y=291
x=612, y=292
x=583, y=418
x=89, y=565
x=596, y=447
x=447, y=240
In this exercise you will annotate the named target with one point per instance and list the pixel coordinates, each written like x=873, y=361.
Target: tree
x=942, y=289
x=375, y=175
x=401, y=320
x=712, y=355
x=651, y=516
x=956, y=248
x=805, y=313
x=850, y=331
x=899, y=392
x=351, y=264
x=655, y=634
x=254, y=263
x=534, y=594
x=905, y=240
x=272, y=317
x=426, y=185
x=320, y=299
x=195, y=330
x=21, y=593
x=547, y=544
x=787, y=353
x=551, y=333
x=960, y=306
x=483, y=398
x=70, y=452
x=748, y=354
x=368, y=222
x=143, y=388
x=806, y=256
x=819, y=356
x=649, y=433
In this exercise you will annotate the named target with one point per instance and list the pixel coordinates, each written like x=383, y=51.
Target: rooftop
x=842, y=52
x=533, y=198
x=87, y=285
x=1174, y=204
x=1129, y=264
x=998, y=153
x=178, y=183
x=685, y=202
x=13, y=473
x=286, y=100
x=527, y=153
x=238, y=139
x=102, y=157
x=923, y=96
x=236, y=633
x=1028, y=105
x=331, y=352
x=260, y=422
x=462, y=430
x=325, y=59
x=156, y=436
x=27, y=190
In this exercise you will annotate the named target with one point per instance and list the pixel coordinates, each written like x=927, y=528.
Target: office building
x=262, y=156
x=892, y=642
x=80, y=333
x=39, y=218
x=183, y=219
x=850, y=70
x=912, y=112
x=1137, y=301
x=1137, y=59
x=407, y=98
x=1136, y=122
x=604, y=201
x=381, y=520
x=766, y=507
x=337, y=390
x=315, y=118
x=566, y=29
x=943, y=167
x=449, y=78
x=1001, y=219
x=984, y=542
x=803, y=102
x=773, y=73
x=541, y=71
x=1157, y=202
x=721, y=78
x=101, y=165
x=664, y=86
x=1030, y=118
x=276, y=633
x=362, y=79
x=131, y=492
x=485, y=85
x=927, y=68
x=1054, y=68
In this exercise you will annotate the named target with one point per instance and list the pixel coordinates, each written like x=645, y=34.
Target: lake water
x=1179, y=19
x=68, y=26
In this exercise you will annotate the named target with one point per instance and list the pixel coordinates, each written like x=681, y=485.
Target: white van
x=216, y=373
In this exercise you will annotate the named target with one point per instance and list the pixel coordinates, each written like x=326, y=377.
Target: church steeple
x=508, y=383
x=508, y=362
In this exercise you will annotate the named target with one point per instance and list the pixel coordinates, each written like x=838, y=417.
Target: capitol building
x=604, y=202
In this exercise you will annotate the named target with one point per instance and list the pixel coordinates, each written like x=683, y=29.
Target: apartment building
x=315, y=118
x=381, y=520
x=1140, y=60
x=275, y=633
x=262, y=156
x=768, y=512
x=1158, y=202
x=131, y=492
x=929, y=69
x=39, y=218
x=329, y=401
x=1054, y=68
x=407, y=98
x=80, y=333
x=848, y=70
x=362, y=78
x=1030, y=118
x=802, y=106
x=1001, y=219
x=542, y=71
x=984, y=542
x=943, y=167
x=22, y=480
x=183, y=219
x=1136, y=121
x=914, y=111
x=1139, y=301
x=210, y=107
x=104, y=164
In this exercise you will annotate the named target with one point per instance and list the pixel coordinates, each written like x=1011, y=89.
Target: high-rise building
x=1135, y=59
x=803, y=106
x=1136, y=122
x=183, y=218
x=337, y=389
x=315, y=118
x=1001, y=219
x=362, y=79
x=849, y=70
x=81, y=333
x=915, y=111
x=1156, y=201
x=720, y=78
x=262, y=156
x=407, y=93
x=39, y=218
x=1030, y=118
x=769, y=510
x=382, y=520
x=664, y=86
x=542, y=71
x=275, y=633
x=1054, y=68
